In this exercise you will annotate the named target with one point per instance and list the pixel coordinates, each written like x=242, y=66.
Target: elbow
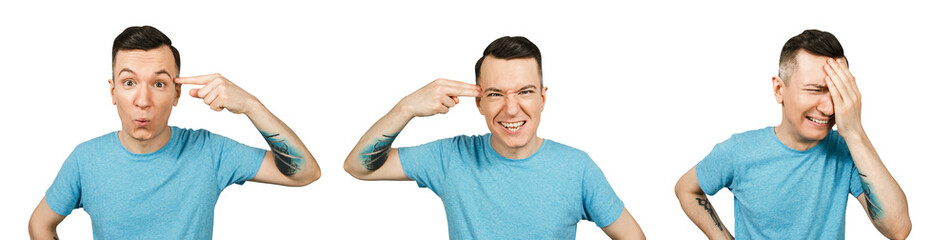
x=680, y=188
x=314, y=177
x=902, y=231
x=349, y=168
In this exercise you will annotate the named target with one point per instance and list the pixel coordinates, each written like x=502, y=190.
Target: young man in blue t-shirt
x=510, y=183
x=792, y=181
x=154, y=181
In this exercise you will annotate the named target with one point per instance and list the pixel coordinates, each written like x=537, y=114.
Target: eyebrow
x=134, y=73
x=520, y=89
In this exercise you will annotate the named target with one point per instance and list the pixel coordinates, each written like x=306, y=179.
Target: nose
x=143, y=97
x=826, y=105
x=512, y=106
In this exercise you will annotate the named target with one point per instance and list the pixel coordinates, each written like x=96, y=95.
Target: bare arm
x=289, y=163
x=883, y=199
x=696, y=205
x=624, y=228
x=43, y=222
x=372, y=158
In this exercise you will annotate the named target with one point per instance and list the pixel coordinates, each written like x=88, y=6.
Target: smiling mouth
x=513, y=126
x=818, y=121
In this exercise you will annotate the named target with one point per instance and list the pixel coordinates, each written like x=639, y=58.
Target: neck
x=789, y=137
x=142, y=146
x=516, y=152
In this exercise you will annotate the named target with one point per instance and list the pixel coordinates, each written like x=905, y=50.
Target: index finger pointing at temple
x=463, y=91
x=197, y=80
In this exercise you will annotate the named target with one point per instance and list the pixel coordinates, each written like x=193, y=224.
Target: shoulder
x=97, y=144
x=188, y=136
x=460, y=141
x=749, y=139
x=564, y=150
x=569, y=156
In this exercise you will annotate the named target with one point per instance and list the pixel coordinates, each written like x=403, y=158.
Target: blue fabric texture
x=167, y=194
x=488, y=196
x=779, y=192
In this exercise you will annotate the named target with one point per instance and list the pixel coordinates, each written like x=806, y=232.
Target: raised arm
x=883, y=199
x=289, y=163
x=372, y=158
x=695, y=204
x=43, y=222
x=624, y=228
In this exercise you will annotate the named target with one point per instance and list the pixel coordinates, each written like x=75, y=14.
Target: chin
x=510, y=141
x=815, y=134
x=142, y=134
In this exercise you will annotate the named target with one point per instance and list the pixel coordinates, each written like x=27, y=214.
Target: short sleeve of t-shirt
x=424, y=164
x=716, y=170
x=236, y=162
x=601, y=204
x=65, y=194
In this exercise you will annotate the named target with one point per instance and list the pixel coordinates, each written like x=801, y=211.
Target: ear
x=178, y=93
x=544, y=89
x=478, y=106
x=778, y=87
x=112, y=91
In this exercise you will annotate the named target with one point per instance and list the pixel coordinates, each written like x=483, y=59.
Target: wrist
x=402, y=112
x=255, y=108
x=853, y=135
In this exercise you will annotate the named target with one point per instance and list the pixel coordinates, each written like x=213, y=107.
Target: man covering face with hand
x=792, y=181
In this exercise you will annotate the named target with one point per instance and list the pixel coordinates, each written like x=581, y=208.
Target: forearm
x=699, y=209
x=290, y=155
x=43, y=222
x=42, y=232
x=373, y=148
x=885, y=201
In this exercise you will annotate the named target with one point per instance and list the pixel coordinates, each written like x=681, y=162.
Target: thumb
x=193, y=92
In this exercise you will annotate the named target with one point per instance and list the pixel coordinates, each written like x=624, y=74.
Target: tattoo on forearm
x=285, y=157
x=872, y=202
x=374, y=156
x=710, y=210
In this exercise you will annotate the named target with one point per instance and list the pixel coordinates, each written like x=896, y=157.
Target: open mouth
x=818, y=121
x=513, y=126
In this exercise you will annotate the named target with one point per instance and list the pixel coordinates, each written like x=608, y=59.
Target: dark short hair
x=510, y=48
x=813, y=41
x=144, y=38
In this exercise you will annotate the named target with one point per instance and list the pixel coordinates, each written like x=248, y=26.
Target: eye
x=159, y=84
x=128, y=83
x=524, y=92
x=494, y=95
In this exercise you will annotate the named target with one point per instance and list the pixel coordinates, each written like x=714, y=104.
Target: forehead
x=509, y=73
x=145, y=61
x=809, y=68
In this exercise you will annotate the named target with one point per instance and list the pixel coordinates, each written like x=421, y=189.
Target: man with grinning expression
x=150, y=180
x=793, y=181
x=509, y=183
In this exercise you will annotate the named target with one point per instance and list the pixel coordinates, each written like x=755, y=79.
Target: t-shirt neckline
x=173, y=140
x=488, y=147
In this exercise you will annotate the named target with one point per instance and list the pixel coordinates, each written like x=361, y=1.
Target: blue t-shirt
x=488, y=196
x=779, y=192
x=167, y=194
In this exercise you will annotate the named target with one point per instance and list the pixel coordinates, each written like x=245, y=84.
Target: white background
x=645, y=89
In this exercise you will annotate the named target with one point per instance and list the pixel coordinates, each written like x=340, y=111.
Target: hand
x=436, y=97
x=219, y=93
x=846, y=97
